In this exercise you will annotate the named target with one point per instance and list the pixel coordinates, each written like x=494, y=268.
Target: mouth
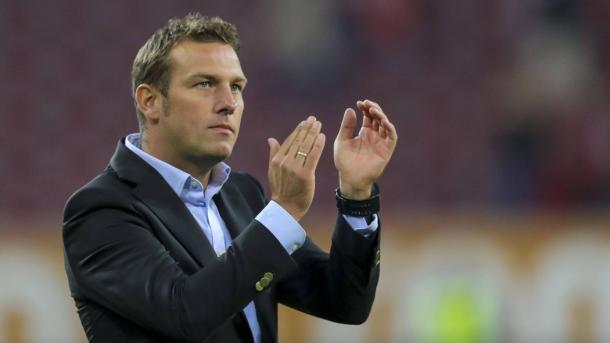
x=223, y=128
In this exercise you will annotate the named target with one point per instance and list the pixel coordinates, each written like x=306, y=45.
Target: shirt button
x=193, y=184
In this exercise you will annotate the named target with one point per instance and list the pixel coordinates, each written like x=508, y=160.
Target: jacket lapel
x=152, y=189
x=228, y=213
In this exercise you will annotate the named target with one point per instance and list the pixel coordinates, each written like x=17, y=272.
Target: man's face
x=204, y=104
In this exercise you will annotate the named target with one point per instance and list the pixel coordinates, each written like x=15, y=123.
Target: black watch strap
x=358, y=208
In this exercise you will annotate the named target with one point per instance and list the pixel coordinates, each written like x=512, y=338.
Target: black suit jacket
x=141, y=270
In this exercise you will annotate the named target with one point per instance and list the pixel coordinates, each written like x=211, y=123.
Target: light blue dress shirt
x=199, y=202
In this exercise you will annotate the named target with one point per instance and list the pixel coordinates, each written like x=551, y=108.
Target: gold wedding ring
x=300, y=153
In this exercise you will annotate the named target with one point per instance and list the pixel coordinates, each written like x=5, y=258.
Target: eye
x=236, y=88
x=203, y=84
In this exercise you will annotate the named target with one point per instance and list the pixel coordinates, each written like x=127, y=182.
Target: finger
x=366, y=120
x=371, y=104
x=309, y=141
x=377, y=113
x=390, y=130
x=292, y=137
x=274, y=147
x=311, y=163
x=366, y=117
x=301, y=136
x=372, y=108
x=288, y=141
x=348, y=125
x=386, y=128
x=382, y=131
x=367, y=105
x=361, y=106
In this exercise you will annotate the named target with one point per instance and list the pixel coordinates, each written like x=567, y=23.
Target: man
x=169, y=245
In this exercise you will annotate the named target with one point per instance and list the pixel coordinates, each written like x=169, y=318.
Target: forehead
x=190, y=57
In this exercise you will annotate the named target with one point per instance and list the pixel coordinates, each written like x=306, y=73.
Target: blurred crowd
x=499, y=105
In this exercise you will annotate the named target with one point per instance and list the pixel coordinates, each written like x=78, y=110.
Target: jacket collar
x=150, y=187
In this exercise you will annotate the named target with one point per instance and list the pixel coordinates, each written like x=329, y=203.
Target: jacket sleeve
x=118, y=263
x=339, y=286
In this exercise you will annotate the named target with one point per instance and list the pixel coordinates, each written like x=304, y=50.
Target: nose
x=226, y=101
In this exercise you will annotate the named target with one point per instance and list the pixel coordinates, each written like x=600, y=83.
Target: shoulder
x=105, y=190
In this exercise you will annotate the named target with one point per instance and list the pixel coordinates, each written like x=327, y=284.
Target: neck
x=199, y=168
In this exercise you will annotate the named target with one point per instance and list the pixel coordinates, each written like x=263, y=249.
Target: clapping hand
x=361, y=159
x=292, y=167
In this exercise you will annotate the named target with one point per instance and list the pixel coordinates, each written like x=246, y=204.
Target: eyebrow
x=215, y=78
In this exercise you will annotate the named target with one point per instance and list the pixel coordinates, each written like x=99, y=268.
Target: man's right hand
x=292, y=167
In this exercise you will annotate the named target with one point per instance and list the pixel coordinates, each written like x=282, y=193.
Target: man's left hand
x=360, y=160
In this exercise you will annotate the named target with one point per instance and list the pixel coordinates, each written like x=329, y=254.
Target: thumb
x=274, y=147
x=348, y=125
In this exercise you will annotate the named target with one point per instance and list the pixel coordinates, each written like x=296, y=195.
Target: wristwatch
x=358, y=208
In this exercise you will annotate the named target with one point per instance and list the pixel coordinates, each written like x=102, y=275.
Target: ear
x=150, y=102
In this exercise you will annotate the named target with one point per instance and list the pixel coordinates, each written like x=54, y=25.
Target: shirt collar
x=178, y=179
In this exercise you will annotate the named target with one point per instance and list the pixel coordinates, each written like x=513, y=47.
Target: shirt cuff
x=360, y=225
x=283, y=226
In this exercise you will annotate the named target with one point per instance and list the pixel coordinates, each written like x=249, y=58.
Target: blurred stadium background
x=495, y=207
